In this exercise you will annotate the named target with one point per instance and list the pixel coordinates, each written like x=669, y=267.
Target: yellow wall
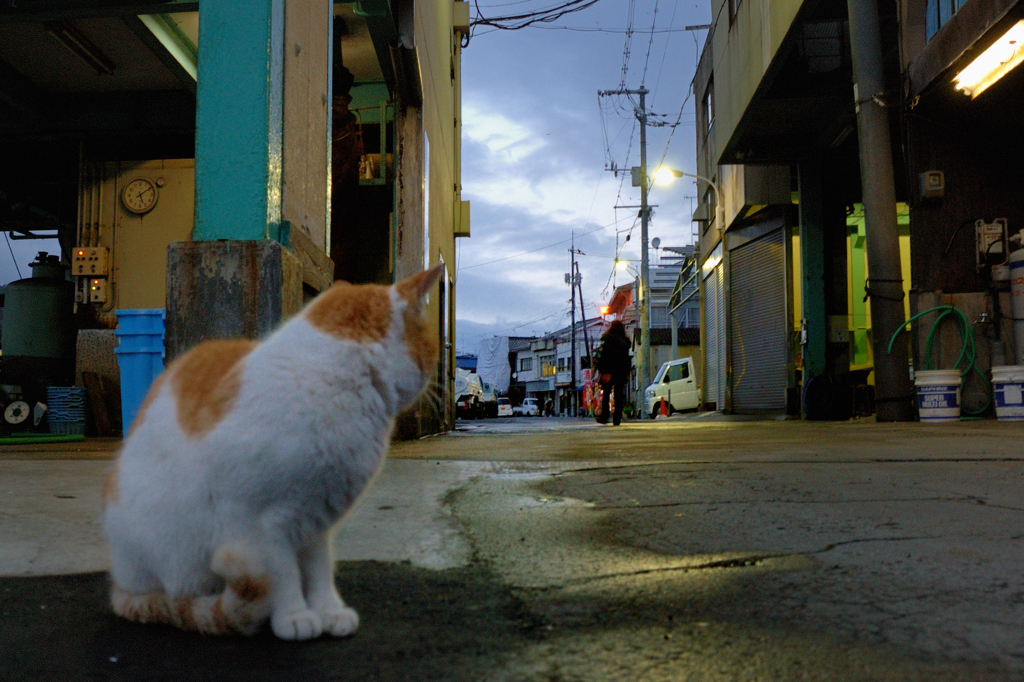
x=138, y=243
x=438, y=51
x=436, y=47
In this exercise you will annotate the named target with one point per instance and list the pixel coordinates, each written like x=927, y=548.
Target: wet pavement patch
x=416, y=624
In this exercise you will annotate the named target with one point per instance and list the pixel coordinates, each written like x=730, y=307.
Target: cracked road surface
x=546, y=549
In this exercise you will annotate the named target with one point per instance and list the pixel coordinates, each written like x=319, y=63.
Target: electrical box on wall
x=98, y=290
x=991, y=241
x=933, y=184
x=90, y=261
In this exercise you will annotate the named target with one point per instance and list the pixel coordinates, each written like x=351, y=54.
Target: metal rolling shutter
x=757, y=317
x=714, y=354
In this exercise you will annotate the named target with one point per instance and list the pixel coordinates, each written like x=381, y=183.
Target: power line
x=539, y=248
x=629, y=38
x=559, y=310
x=514, y=22
x=594, y=29
x=8, y=236
x=664, y=54
x=650, y=44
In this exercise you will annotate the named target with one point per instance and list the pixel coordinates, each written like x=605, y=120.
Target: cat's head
x=393, y=320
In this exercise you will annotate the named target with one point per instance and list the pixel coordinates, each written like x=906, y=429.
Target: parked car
x=504, y=407
x=676, y=384
x=528, y=408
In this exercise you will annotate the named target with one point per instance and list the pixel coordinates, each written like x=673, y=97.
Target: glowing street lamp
x=666, y=175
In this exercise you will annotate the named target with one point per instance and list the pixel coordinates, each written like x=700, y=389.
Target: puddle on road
x=534, y=502
x=521, y=475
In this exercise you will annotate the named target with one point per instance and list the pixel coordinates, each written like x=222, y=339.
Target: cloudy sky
x=536, y=144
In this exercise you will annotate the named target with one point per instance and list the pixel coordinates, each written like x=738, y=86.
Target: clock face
x=139, y=196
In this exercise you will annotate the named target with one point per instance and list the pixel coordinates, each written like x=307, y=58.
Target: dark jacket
x=614, y=357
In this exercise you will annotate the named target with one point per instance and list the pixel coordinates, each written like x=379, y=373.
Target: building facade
x=287, y=144
x=786, y=288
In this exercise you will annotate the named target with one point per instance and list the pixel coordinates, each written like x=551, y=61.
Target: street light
x=666, y=175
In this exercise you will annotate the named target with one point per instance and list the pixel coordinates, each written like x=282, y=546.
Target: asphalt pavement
x=699, y=547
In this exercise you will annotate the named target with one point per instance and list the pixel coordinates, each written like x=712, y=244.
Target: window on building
x=709, y=208
x=938, y=12
x=525, y=364
x=708, y=105
x=561, y=364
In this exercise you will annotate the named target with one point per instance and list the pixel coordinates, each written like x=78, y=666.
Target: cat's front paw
x=339, y=621
x=298, y=625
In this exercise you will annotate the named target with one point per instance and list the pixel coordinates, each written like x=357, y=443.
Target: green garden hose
x=968, y=351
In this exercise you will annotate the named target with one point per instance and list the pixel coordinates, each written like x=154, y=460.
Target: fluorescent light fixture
x=994, y=63
x=80, y=46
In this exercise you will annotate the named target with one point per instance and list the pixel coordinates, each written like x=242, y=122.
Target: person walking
x=613, y=364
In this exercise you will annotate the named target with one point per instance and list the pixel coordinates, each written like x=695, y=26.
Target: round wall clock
x=139, y=196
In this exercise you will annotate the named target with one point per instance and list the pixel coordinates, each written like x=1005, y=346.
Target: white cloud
x=503, y=137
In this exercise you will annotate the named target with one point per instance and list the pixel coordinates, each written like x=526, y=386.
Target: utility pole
x=583, y=314
x=893, y=390
x=644, y=370
x=641, y=180
x=569, y=279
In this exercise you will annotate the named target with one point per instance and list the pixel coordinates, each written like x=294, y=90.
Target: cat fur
x=244, y=455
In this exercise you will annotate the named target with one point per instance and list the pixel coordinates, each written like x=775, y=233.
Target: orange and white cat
x=245, y=454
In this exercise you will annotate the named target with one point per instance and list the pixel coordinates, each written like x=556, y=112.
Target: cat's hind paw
x=298, y=625
x=340, y=621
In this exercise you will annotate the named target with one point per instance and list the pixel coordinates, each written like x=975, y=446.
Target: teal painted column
x=239, y=120
x=812, y=268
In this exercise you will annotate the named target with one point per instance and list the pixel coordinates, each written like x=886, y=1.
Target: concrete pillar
x=823, y=238
x=233, y=289
x=237, y=278
x=894, y=392
x=812, y=268
x=239, y=120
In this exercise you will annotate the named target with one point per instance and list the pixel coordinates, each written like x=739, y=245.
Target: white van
x=676, y=384
x=504, y=407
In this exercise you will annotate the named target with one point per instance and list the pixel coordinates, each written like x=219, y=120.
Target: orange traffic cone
x=664, y=408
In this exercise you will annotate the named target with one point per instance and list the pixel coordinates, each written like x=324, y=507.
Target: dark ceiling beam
x=81, y=116
x=161, y=52
x=383, y=32
x=35, y=11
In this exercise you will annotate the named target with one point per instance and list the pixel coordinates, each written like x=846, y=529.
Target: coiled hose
x=968, y=351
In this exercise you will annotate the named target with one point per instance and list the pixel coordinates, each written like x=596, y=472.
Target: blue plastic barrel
x=140, y=356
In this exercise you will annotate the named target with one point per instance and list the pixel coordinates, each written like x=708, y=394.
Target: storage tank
x=1017, y=298
x=39, y=327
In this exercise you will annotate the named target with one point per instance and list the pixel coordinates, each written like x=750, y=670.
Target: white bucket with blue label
x=1008, y=392
x=938, y=395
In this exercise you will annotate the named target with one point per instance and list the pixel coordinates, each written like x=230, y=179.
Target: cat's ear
x=415, y=288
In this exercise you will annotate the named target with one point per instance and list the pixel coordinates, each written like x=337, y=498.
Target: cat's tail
x=241, y=608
